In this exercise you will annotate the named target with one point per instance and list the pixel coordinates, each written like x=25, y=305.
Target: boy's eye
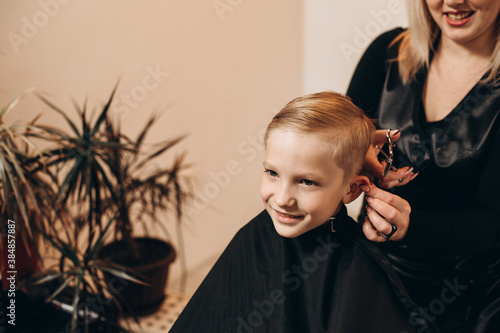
x=271, y=173
x=307, y=182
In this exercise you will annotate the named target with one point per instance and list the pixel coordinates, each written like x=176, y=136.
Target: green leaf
x=11, y=187
x=22, y=179
x=14, y=102
x=97, y=245
x=66, y=250
x=121, y=274
x=167, y=145
x=76, y=300
x=61, y=112
x=70, y=180
x=104, y=111
x=145, y=130
x=61, y=288
x=51, y=277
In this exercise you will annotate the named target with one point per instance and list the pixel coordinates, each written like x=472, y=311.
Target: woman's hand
x=385, y=210
x=373, y=168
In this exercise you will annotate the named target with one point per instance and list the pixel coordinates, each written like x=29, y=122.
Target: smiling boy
x=312, y=159
x=303, y=265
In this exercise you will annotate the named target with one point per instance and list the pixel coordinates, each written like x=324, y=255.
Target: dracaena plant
x=83, y=272
x=143, y=191
x=107, y=184
x=26, y=195
x=105, y=171
x=29, y=196
x=78, y=164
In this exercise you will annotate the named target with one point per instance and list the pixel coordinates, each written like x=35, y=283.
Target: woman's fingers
x=387, y=214
x=380, y=136
x=397, y=178
x=385, y=209
x=372, y=166
x=399, y=182
x=380, y=223
x=370, y=232
x=383, y=200
x=404, y=172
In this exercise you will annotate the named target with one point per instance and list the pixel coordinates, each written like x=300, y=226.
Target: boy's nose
x=284, y=197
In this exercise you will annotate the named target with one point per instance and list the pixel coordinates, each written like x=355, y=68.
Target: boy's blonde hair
x=417, y=43
x=336, y=120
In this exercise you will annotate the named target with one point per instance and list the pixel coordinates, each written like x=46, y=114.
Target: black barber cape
x=321, y=281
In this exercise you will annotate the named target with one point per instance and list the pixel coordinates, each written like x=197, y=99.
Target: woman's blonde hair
x=416, y=43
x=340, y=124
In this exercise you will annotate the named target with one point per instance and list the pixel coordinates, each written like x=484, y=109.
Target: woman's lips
x=457, y=19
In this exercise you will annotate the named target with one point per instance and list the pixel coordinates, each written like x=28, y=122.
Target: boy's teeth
x=287, y=215
x=459, y=17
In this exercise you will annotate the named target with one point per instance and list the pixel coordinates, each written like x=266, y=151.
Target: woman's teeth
x=459, y=17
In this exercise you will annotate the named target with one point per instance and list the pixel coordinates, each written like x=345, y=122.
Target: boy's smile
x=302, y=186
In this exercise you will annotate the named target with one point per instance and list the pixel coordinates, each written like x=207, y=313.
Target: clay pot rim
x=169, y=258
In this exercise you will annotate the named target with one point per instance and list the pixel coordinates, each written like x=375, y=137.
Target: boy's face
x=302, y=186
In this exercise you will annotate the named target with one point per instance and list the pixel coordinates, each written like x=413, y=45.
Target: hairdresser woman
x=436, y=85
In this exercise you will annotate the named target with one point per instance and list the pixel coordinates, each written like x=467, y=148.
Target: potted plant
x=140, y=194
x=26, y=197
x=28, y=207
x=78, y=287
x=105, y=180
x=73, y=213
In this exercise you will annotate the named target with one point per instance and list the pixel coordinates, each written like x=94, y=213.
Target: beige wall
x=336, y=33
x=219, y=73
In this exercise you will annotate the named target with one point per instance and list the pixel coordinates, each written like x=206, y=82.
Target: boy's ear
x=354, y=190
